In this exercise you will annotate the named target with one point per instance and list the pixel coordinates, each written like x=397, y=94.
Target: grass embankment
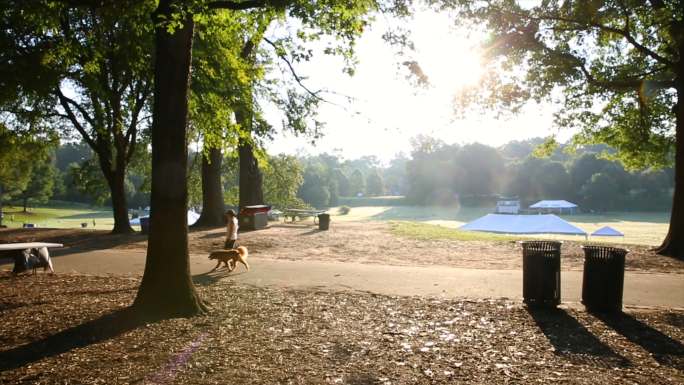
x=426, y=231
x=639, y=228
x=59, y=215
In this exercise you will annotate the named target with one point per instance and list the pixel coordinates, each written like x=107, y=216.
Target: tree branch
x=294, y=73
x=64, y=101
x=582, y=25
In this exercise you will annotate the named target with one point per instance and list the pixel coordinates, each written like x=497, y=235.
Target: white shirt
x=232, y=235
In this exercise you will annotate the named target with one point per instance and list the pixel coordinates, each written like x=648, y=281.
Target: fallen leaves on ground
x=76, y=329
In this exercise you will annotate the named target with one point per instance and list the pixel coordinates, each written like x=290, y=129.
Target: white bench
x=23, y=258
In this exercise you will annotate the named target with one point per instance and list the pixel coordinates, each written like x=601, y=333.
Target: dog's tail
x=242, y=251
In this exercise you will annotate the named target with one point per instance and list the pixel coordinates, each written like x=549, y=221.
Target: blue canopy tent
x=559, y=206
x=607, y=231
x=522, y=224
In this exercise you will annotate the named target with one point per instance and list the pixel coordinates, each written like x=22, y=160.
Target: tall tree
x=283, y=176
x=166, y=288
x=374, y=184
x=41, y=184
x=618, y=64
x=88, y=67
x=213, y=207
x=20, y=152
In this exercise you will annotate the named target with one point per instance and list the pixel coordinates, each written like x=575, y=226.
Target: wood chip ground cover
x=76, y=329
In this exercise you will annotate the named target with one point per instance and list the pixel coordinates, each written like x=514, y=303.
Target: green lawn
x=427, y=231
x=59, y=215
x=639, y=228
x=429, y=222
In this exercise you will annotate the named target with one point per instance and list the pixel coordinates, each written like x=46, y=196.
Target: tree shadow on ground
x=211, y=277
x=665, y=350
x=310, y=232
x=101, y=329
x=571, y=340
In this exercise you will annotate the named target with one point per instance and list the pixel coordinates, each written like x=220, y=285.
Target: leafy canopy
x=611, y=64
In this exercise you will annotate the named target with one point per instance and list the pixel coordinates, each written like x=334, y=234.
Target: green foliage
x=283, y=177
x=477, y=170
x=41, y=184
x=314, y=190
x=613, y=66
x=599, y=192
x=88, y=180
x=22, y=152
x=374, y=184
x=357, y=183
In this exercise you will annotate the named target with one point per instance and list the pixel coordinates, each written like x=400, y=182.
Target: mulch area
x=58, y=329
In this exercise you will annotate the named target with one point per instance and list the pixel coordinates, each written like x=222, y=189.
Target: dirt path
x=641, y=289
x=370, y=242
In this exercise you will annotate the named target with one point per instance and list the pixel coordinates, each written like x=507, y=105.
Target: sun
x=450, y=57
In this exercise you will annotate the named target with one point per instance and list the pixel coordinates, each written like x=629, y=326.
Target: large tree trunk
x=251, y=192
x=115, y=180
x=166, y=289
x=673, y=245
x=212, y=191
x=2, y=214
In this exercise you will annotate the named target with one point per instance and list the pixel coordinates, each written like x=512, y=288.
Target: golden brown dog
x=230, y=258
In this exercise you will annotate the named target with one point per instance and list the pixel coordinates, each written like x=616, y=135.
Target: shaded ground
x=76, y=329
x=363, y=242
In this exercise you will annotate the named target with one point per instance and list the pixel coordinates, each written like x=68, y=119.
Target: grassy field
x=416, y=221
x=59, y=215
x=639, y=228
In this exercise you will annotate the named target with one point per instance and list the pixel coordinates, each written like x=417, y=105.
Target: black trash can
x=541, y=273
x=323, y=221
x=145, y=225
x=603, y=278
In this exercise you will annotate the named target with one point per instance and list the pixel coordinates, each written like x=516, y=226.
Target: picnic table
x=23, y=249
x=301, y=213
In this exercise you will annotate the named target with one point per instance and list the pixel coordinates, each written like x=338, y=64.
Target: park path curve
x=641, y=289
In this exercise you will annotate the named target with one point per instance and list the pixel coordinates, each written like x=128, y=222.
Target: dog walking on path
x=230, y=258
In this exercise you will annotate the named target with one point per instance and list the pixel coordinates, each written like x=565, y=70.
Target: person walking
x=232, y=230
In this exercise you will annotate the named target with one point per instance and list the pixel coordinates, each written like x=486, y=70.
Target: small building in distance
x=554, y=207
x=507, y=206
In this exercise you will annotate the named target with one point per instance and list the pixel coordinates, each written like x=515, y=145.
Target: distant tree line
x=473, y=174
x=435, y=173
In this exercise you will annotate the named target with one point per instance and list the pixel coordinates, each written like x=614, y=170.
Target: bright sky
x=387, y=110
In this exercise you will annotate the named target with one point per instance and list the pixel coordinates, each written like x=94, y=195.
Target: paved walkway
x=641, y=289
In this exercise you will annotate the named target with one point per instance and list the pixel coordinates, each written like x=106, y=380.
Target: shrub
x=344, y=210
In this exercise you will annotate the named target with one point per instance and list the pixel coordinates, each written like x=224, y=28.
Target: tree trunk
x=25, y=200
x=115, y=180
x=673, y=245
x=166, y=289
x=251, y=192
x=2, y=214
x=212, y=191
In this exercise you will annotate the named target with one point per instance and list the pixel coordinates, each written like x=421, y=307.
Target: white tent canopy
x=192, y=218
x=522, y=224
x=607, y=231
x=553, y=205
